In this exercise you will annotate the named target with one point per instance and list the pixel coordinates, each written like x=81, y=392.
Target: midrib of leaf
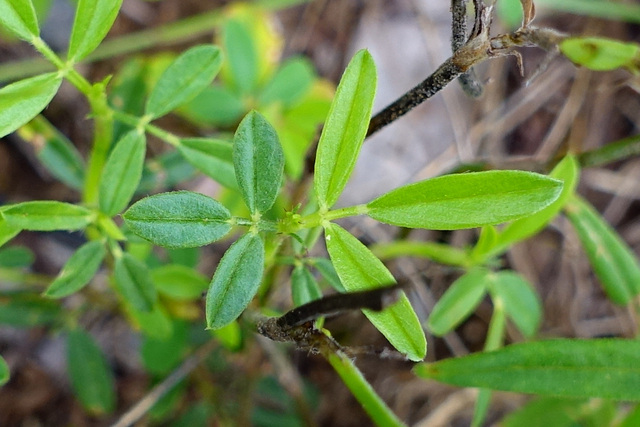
x=121, y=177
x=343, y=146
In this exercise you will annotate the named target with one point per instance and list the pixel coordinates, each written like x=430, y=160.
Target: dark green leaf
x=91, y=376
x=187, y=76
x=345, y=129
x=19, y=17
x=178, y=219
x=520, y=301
x=605, y=368
x=122, y=173
x=47, y=216
x=235, y=281
x=258, y=162
x=242, y=56
x=632, y=419
x=197, y=415
x=25, y=310
x=16, y=257
x=359, y=270
x=55, y=151
x=458, y=302
x=179, y=282
x=188, y=257
x=160, y=356
x=165, y=171
x=23, y=100
x=213, y=157
x=304, y=287
x=612, y=260
x=78, y=270
x=133, y=281
x=466, y=200
x=92, y=22
x=291, y=82
x=4, y=372
x=127, y=91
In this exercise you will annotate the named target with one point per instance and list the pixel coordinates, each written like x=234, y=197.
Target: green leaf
x=605, y=368
x=179, y=282
x=19, y=17
x=465, y=200
x=26, y=310
x=358, y=270
x=601, y=54
x=373, y=405
x=47, y=216
x=325, y=268
x=258, y=162
x=122, y=173
x=155, y=323
x=187, y=76
x=235, y=281
x=55, y=151
x=568, y=171
x=290, y=83
x=16, y=257
x=345, y=129
x=214, y=106
x=160, y=356
x=242, y=55
x=632, y=419
x=439, y=252
x=458, y=302
x=178, y=219
x=23, y=100
x=92, y=22
x=304, y=287
x=78, y=270
x=7, y=231
x=519, y=299
x=213, y=157
x=133, y=281
x=544, y=412
x=4, y=372
x=611, y=258
x=91, y=377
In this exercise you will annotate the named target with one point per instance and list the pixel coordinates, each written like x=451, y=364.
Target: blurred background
x=521, y=122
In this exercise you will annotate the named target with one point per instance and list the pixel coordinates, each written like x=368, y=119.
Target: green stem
x=373, y=405
x=317, y=218
x=103, y=133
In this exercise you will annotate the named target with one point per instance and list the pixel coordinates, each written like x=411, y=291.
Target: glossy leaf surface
x=358, y=270
x=47, y=216
x=178, y=219
x=23, y=100
x=465, y=200
x=92, y=22
x=19, y=17
x=344, y=129
x=235, y=281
